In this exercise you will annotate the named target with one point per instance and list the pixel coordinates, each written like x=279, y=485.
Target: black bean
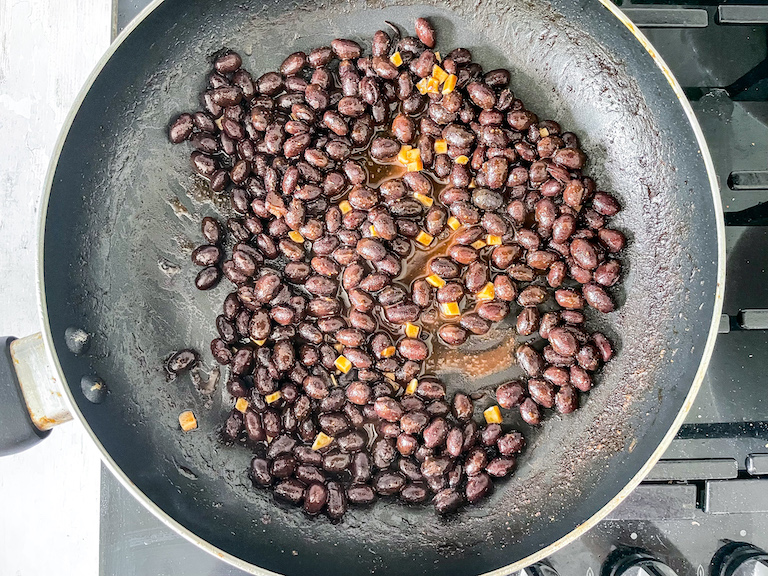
x=336, y=462
x=290, y=490
x=425, y=32
x=530, y=412
x=597, y=297
x=447, y=501
x=452, y=334
x=458, y=135
x=259, y=472
x=207, y=278
x=346, y=49
x=360, y=494
x=336, y=504
x=181, y=128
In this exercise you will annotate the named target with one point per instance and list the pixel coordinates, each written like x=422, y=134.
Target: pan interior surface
x=124, y=214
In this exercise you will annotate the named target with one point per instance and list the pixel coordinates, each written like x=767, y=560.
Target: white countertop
x=49, y=496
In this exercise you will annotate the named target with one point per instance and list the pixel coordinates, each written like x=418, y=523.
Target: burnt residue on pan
x=118, y=207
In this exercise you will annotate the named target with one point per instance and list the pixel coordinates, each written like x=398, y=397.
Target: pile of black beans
x=330, y=392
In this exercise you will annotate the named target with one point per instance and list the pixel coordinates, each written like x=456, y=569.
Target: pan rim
x=576, y=532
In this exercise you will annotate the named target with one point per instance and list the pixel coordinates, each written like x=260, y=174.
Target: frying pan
x=122, y=211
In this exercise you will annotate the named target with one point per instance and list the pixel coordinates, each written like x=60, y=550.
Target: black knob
x=634, y=562
x=538, y=569
x=739, y=559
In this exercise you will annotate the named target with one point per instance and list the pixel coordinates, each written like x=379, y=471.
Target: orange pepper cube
x=388, y=352
x=411, y=330
x=435, y=281
x=424, y=239
x=493, y=415
x=321, y=441
x=343, y=364
x=415, y=166
x=439, y=74
x=413, y=154
x=426, y=200
x=402, y=156
x=187, y=421
x=450, y=309
x=487, y=293
x=450, y=84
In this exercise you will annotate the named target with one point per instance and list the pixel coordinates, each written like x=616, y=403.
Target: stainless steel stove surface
x=704, y=507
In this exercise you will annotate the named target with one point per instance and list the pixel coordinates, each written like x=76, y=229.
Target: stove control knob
x=537, y=569
x=635, y=563
x=740, y=559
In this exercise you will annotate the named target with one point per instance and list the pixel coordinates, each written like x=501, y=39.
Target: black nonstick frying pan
x=122, y=211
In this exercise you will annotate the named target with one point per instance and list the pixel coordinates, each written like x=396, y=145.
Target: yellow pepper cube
x=439, y=74
x=187, y=421
x=435, y=281
x=453, y=223
x=424, y=199
x=412, y=385
x=296, y=236
x=424, y=238
x=441, y=146
x=472, y=184
x=450, y=84
x=413, y=154
x=492, y=240
x=421, y=85
x=373, y=231
x=493, y=415
x=433, y=85
x=415, y=166
x=388, y=352
x=450, y=309
x=402, y=156
x=438, y=57
x=478, y=244
x=343, y=364
x=321, y=441
x=487, y=293
x=274, y=397
x=396, y=59
x=241, y=405
x=544, y=132
x=260, y=342
x=411, y=330
x=461, y=159
x=345, y=206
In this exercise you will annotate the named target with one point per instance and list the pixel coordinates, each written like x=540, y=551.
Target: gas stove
x=704, y=508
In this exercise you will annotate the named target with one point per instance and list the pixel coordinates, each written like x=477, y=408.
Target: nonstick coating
x=124, y=213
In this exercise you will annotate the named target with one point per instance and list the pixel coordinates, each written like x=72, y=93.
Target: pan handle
x=31, y=402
